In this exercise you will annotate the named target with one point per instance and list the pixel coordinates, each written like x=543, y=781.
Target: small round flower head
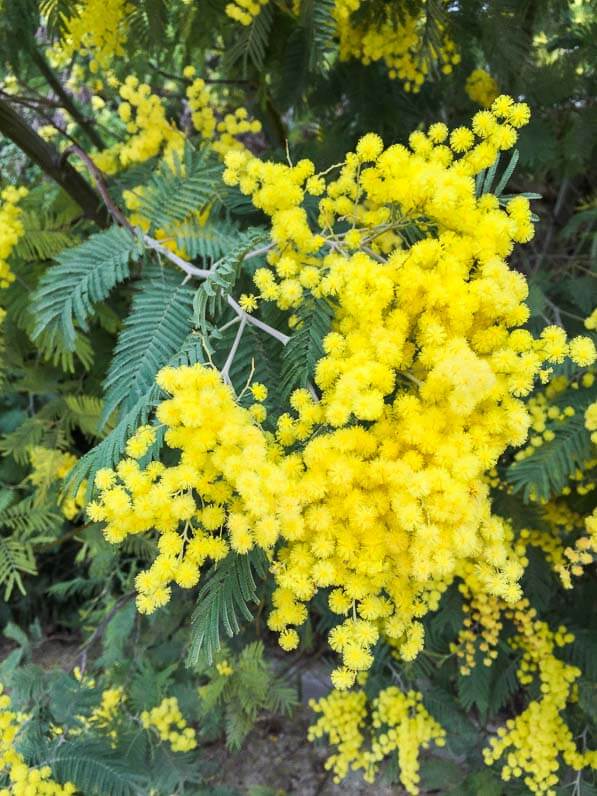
x=519, y=114
x=369, y=147
x=248, y=302
x=461, y=139
x=582, y=351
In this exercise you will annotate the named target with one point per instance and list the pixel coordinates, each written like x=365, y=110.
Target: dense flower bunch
x=98, y=29
x=420, y=394
x=167, y=720
x=149, y=130
x=481, y=87
x=398, y=724
x=11, y=229
x=399, y=42
x=24, y=780
x=225, y=458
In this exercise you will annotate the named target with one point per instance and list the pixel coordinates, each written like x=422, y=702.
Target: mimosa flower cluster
x=481, y=87
x=377, y=489
x=398, y=41
x=169, y=723
x=533, y=742
x=98, y=29
x=11, y=229
x=150, y=133
x=398, y=724
x=23, y=779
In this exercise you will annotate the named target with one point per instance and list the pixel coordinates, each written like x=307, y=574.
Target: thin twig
x=265, y=327
x=187, y=267
x=225, y=372
x=100, y=184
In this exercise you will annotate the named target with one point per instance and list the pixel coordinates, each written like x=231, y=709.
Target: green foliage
x=243, y=690
x=305, y=346
x=181, y=189
x=96, y=767
x=44, y=238
x=550, y=466
x=222, y=601
x=155, y=329
x=23, y=526
x=83, y=276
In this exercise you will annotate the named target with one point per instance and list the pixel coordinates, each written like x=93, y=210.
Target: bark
x=66, y=100
x=13, y=126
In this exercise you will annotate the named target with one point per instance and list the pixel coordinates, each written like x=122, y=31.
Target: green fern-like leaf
x=549, y=467
x=224, y=597
x=159, y=322
x=40, y=241
x=25, y=436
x=207, y=241
x=223, y=276
x=250, y=45
x=317, y=20
x=30, y=520
x=96, y=768
x=85, y=411
x=82, y=276
x=147, y=23
x=16, y=559
x=179, y=189
x=305, y=346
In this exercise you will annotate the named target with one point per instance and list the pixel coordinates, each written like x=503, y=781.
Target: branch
x=13, y=126
x=225, y=372
x=100, y=183
x=189, y=269
x=265, y=327
x=67, y=102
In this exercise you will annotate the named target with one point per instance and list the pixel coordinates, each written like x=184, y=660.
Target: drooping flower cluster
x=225, y=458
x=23, y=779
x=533, y=742
x=398, y=724
x=481, y=87
x=400, y=40
x=11, y=229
